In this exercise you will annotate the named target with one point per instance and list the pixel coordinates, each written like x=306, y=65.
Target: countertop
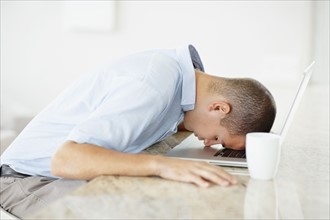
x=299, y=191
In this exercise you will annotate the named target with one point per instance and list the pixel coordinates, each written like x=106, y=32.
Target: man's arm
x=86, y=161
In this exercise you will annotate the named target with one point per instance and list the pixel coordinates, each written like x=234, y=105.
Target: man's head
x=226, y=109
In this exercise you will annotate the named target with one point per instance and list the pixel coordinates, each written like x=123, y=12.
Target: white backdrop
x=269, y=40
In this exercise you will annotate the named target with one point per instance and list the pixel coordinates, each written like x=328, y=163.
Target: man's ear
x=221, y=106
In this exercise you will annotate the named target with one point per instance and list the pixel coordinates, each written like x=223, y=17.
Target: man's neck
x=202, y=81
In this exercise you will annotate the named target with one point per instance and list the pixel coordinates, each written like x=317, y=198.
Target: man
x=98, y=125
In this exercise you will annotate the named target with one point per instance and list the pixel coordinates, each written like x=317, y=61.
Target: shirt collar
x=189, y=60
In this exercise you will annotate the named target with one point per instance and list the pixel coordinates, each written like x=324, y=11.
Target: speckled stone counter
x=299, y=191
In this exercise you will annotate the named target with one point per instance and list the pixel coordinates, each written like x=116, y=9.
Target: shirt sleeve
x=122, y=117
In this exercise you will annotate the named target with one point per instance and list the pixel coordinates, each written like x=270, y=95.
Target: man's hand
x=199, y=173
x=86, y=161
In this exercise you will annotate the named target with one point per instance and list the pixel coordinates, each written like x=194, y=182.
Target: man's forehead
x=235, y=142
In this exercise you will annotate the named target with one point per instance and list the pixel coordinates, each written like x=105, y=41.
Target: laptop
x=193, y=149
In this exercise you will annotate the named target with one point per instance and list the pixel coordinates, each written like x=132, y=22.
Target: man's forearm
x=86, y=161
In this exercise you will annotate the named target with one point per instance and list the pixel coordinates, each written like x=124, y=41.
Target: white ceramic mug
x=263, y=154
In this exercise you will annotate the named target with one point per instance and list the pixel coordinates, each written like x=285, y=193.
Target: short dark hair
x=253, y=107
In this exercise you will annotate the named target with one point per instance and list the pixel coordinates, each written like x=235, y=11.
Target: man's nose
x=208, y=142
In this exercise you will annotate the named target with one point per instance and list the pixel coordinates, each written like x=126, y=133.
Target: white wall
x=264, y=39
x=321, y=41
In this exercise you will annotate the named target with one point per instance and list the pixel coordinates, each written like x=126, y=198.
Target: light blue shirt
x=126, y=106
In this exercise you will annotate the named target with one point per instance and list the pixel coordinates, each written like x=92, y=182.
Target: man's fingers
x=211, y=177
x=215, y=174
x=196, y=179
x=199, y=173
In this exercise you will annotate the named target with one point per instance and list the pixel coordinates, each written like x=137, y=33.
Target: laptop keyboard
x=230, y=153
